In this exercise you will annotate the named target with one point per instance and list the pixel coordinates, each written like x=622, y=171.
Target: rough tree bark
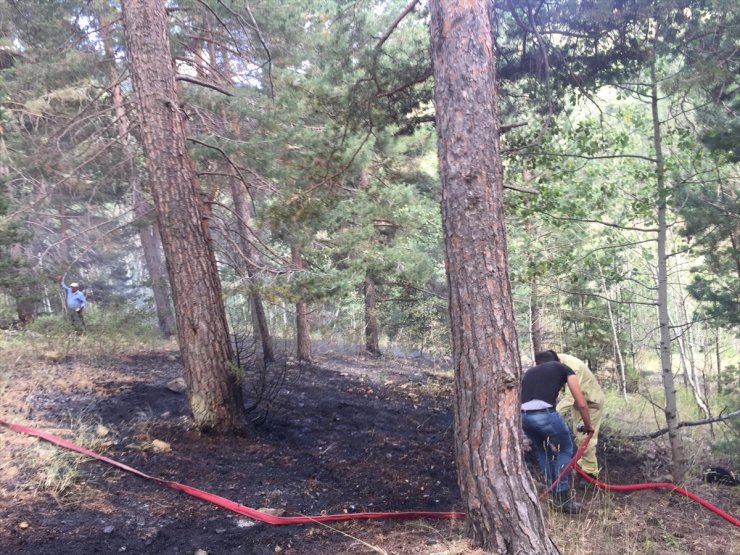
x=214, y=394
x=148, y=234
x=504, y=515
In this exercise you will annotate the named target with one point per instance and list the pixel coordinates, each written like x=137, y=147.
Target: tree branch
x=504, y=127
x=603, y=157
x=597, y=296
x=264, y=45
x=195, y=81
x=226, y=157
x=607, y=224
x=521, y=189
x=718, y=418
x=395, y=24
x=426, y=75
x=612, y=247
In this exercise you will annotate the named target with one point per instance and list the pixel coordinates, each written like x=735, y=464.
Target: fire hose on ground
x=283, y=520
x=573, y=463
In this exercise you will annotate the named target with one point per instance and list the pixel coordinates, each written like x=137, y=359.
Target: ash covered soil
x=346, y=434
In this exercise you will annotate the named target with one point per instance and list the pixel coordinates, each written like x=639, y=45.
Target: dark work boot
x=562, y=502
x=585, y=484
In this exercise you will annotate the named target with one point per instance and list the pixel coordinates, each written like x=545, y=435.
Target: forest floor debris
x=350, y=434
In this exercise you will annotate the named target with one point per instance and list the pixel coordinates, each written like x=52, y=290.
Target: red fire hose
x=635, y=487
x=222, y=501
x=657, y=485
x=282, y=520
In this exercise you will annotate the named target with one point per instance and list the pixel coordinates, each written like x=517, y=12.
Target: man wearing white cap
x=76, y=303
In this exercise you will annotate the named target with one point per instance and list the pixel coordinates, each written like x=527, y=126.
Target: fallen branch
x=718, y=418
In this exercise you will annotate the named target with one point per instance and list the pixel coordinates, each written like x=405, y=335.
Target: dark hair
x=546, y=356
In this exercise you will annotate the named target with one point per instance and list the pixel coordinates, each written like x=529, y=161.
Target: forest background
x=310, y=132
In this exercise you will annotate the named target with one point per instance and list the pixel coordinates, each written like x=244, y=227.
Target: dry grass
x=30, y=465
x=30, y=365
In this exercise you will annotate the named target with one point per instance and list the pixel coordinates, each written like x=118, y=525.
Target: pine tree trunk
x=504, y=515
x=536, y=334
x=240, y=196
x=26, y=296
x=535, y=317
x=679, y=461
x=214, y=393
x=25, y=304
x=303, y=336
x=151, y=244
x=148, y=234
x=244, y=220
x=372, y=341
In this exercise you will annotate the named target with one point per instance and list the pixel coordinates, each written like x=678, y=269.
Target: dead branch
x=509, y=126
x=426, y=75
x=601, y=157
x=718, y=418
x=600, y=222
x=226, y=156
x=264, y=45
x=195, y=81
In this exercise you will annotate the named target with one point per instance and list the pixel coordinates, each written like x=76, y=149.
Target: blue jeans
x=551, y=442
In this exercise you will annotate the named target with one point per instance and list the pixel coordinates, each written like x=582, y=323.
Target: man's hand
x=582, y=428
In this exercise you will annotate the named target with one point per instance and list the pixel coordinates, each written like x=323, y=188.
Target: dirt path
x=349, y=434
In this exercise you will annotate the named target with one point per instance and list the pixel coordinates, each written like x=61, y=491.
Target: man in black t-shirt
x=547, y=430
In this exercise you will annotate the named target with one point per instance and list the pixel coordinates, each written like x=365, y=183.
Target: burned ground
x=348, y=434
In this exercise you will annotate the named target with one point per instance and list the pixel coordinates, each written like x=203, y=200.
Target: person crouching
x=546, y=429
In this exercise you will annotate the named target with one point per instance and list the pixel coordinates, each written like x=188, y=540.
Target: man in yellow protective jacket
x=594, y=397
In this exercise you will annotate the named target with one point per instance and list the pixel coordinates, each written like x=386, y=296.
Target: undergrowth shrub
x=728, y=431
x=51, y=339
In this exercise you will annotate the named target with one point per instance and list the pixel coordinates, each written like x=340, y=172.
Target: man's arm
x=565, y=403
x=580, y=402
